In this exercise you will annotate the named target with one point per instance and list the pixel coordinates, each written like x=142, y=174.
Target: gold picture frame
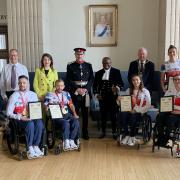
x=103, y=24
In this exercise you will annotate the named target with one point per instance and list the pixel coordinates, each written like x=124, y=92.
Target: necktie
x=141, y=67
x=13, y=77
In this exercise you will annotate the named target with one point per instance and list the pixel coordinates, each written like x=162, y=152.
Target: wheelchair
x=54, y=133
x=174, y=136
x=143, y=129
x=15, y=136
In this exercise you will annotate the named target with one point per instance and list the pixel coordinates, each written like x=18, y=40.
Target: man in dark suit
x=143, y=67
x=79, y=82
x=105, y=88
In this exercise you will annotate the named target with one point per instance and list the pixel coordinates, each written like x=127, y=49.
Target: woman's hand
x=24, y=118
x=133, y=111
x=175, y=112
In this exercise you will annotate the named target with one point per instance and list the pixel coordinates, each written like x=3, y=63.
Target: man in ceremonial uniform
x=79, y=81
x=143, y=67
x=105, y=89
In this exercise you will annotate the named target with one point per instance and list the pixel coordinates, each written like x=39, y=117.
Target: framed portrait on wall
x=103, y=25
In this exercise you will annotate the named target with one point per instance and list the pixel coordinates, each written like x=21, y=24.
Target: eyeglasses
x=176, y=79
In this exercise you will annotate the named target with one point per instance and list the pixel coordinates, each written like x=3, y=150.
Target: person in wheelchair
x=17, y=109
x=169, y=120
x=70, y=120
x=141, y=102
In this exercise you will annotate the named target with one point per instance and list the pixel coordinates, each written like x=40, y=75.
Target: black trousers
x=108, y=108
x=168, y=120
x=79, y=103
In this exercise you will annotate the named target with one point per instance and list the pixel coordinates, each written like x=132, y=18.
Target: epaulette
x=70, y=62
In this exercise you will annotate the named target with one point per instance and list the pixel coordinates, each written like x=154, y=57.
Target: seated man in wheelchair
x=169, y=120
x=141, y=102
x=17, y=109
x=70, y=121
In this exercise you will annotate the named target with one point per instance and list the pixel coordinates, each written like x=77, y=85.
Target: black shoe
x=102, y=136
x=114, y=136
x=85, y=137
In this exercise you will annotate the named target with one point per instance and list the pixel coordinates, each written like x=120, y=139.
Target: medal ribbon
x=61, y=102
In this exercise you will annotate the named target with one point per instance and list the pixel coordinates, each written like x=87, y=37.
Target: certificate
x=171, y=84
x=35, y=110
x=126, y=103
x=166, y=104
x=55, y=111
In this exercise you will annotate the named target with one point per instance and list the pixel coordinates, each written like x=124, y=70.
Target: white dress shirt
x=16, y=100
x=5, y=81
x=106, y=74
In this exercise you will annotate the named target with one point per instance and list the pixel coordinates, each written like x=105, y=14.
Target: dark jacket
x=147, y=75
x=114, y=79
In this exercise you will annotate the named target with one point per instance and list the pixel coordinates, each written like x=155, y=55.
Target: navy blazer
x=148, y=73
x=114, y=77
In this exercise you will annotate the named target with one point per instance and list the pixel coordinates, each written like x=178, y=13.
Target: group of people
x=107, y=85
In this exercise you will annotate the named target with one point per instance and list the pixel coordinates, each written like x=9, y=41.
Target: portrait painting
x=103, y=25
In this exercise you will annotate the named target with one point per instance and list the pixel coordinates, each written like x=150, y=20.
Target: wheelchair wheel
x=50, y=133
x=155, y=133
x=12, y=138
x=146, y=129
x=50, y=139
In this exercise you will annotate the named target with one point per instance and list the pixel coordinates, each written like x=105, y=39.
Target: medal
x=64, y=111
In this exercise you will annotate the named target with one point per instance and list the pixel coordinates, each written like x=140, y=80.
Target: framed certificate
x=35, y=110
x=171, y=84
x=55, y=111
x=126, y=103
x=166, y=104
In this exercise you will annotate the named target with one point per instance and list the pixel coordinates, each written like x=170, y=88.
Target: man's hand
x=76, y=116
x=114, y=90
x=81, y=91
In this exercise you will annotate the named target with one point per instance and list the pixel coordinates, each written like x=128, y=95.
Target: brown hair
x=172, y=47
x=58, y=81
x=141, y=86
x=48, y=56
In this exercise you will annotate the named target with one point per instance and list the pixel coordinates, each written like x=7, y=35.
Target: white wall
x=65, y=26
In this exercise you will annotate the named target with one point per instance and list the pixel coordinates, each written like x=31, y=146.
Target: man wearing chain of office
x=79, y=81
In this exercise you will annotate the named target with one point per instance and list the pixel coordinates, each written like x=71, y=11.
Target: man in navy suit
x=143, y=67
x=104, y=87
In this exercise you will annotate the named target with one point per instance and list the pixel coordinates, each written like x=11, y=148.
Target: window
x=3, y=46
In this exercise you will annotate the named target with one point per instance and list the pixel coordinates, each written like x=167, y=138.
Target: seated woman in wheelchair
x=169, y=120
x=70, y=120
x=141, y=102
x=17, y=109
